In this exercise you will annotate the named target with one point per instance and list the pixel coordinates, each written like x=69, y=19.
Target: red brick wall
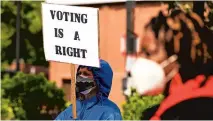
x=112, y=21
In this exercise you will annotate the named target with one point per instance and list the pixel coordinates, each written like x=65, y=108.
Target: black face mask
x=83, y=84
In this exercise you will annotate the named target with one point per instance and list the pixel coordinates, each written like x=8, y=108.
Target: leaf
x=28, y=92
x=136, y=105
x=31, y=30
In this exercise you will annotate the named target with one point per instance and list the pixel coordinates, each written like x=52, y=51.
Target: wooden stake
x=73, y=96
x=99, y=36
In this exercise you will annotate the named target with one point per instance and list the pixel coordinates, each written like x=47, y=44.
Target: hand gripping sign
x=70, y=35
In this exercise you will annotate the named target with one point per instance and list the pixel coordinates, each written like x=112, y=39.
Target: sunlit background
x=33, y=88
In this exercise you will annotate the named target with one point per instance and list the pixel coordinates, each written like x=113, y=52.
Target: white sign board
x=70, y=34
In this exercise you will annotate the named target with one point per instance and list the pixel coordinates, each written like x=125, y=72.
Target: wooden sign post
x=73, y=96
x=70, y=35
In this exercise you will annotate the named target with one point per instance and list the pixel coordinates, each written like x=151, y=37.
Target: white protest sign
x=70, y=34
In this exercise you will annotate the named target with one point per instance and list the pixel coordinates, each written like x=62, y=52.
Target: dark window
x=67, y=89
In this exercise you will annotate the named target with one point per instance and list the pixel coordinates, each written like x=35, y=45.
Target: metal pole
x=130, y=36
x=18, y=17
x=130, y=27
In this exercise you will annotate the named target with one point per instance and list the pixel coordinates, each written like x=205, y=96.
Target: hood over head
x=102, y=76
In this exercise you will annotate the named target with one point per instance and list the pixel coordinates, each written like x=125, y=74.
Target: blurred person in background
x=93, y=86
x=176, y=60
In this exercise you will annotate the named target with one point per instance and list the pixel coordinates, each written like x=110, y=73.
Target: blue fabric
x=98, y=107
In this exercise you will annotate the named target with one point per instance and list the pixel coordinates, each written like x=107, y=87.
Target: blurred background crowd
x=33, y=88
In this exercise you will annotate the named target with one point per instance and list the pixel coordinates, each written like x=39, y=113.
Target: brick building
x=112, y=26
x=29, y=68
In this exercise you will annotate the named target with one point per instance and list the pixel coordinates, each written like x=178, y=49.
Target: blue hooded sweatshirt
x=98, y=107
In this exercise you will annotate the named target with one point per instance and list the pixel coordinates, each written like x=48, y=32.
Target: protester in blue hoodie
x=93, y=86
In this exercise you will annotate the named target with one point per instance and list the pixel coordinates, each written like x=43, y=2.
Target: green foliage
x=31, y=97
x=6, y=109
x=136, y=105
x=31, y=33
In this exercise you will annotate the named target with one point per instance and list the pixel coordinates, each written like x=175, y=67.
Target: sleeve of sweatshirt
x=113, y=116
x=65, y=115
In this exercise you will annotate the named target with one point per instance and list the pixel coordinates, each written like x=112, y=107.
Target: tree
x=135, y=105
x=31, y=33
x=31, y=97
x=6, y=110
